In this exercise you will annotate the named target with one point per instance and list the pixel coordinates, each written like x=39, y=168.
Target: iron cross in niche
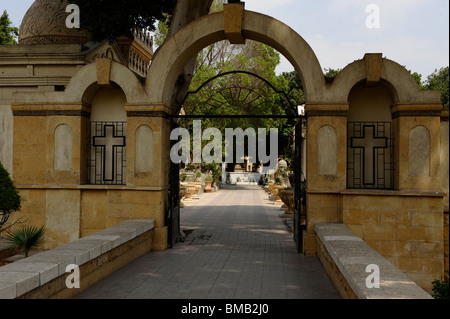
x=109, y=141
x=368, y=143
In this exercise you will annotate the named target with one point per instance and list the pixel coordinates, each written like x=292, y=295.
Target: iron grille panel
x=370, y=151
x=107, y=158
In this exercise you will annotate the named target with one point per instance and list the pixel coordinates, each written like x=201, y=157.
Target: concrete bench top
x=29, y=273
x=352, y=256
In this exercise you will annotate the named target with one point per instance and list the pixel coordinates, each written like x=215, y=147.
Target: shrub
x=25, y=237
x=441, y=289
x=9, y=197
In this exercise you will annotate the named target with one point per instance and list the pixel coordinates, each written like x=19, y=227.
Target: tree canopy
x=8, y=33
x=438, y=80
x=109, y=20
x=9, y=196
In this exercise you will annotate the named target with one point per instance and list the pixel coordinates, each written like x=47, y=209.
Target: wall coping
x=25, y=275
x=92, y=187
x=352, y=255
x=377, y=192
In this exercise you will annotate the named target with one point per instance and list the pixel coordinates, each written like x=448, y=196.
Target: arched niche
x=419, y=152
x=108, y=132
x=327, y=143
x=63, y=141
x=108, y=104
x=370, y=144
x=144, y=150
x=370, y=103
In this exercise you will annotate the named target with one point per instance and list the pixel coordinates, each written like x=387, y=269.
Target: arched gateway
x=389, y=215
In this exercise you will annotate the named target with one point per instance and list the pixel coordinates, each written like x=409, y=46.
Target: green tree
x=109, y=20
x=331, y=74
x=293, y=85
x=8, y=33
x=439, y=81
x=418, y=78
x=9, y=197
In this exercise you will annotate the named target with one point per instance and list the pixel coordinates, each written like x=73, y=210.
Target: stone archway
x=170, y=59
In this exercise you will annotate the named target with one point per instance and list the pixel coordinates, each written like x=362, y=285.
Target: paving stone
x=237, y=247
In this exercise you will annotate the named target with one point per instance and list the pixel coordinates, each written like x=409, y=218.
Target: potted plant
x=208, y=181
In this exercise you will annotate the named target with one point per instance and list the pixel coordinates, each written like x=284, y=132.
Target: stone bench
x=43, y=275
x=346, y=257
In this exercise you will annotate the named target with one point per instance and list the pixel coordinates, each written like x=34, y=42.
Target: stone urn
x=190, y=190
x=208, y=187
x=290, y=212
x=198, y=187
x=183, y=192
x=275, y=197
x=285, y=195
x=291, y=177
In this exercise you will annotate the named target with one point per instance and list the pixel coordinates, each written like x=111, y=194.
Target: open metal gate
x=173, y=215
x=299, y=216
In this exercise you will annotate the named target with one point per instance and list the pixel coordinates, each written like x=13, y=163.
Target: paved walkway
x=238, y=247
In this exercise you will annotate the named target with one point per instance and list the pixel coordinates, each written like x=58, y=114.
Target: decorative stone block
x=24, y=281
x=61, y=259
x=46, y=271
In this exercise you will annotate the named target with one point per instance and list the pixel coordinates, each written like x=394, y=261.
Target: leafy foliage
x=25, y=237
x=9, y=197
x=8, y=33
x=331, y=74
x=110, y=20
x=441, y=289
x=439, y=81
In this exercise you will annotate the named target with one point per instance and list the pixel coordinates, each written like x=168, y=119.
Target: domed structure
x=45, y=23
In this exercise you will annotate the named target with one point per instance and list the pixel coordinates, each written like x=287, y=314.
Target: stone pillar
x=326, y=166
x=149, y=161
x=417, y=134
x=50, y=156
x=444, y=155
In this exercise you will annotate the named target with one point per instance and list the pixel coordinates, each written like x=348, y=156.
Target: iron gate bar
x=173, y=193
x=294, y=108
x=238, y=116
x=174, y=209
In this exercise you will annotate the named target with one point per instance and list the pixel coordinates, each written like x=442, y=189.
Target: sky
x=413, y=33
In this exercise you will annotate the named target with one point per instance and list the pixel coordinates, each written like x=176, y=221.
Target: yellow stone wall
x=403, y=181
x=446, y=242
x=407, y=229
x=323, y=198
x=61, y=200
x=30, y=157
x=73, y=213
x=405, y=225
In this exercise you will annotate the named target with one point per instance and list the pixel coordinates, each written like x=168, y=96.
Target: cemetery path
x=237, y=247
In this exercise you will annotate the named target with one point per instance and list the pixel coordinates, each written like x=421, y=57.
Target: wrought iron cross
x=108, y=141
x=368, y=143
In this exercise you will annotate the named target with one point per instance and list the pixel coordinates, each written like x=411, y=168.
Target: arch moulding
x=171, y=58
